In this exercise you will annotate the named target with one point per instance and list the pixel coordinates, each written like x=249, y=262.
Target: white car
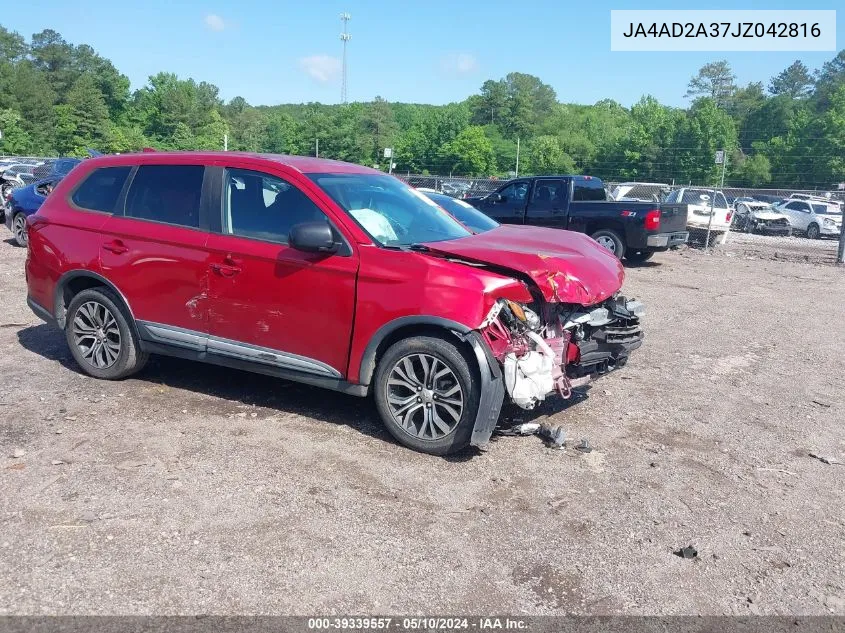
x=815, y=218
x=700, y=209
x=759, y=217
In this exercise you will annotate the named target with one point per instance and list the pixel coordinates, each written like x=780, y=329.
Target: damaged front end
x=548, y=348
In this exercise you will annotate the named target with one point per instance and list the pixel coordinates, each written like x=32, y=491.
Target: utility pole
x=225, y=142
x=317, y=148
x=840, y=253
x=721, y=157
x=517, y=157
x=344, y=37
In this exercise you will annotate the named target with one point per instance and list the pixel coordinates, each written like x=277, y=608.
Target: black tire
x=611, y=241
x=713, y=239
x=420, y=411
x=19, y=230
x=638, y=257
x=813, y=231
x=118, y=345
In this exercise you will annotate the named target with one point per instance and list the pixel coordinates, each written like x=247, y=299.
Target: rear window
x=166, y=193
x=101, y=189
x=588, y=189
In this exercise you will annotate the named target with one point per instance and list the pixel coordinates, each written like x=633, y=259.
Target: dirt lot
x=195, y=489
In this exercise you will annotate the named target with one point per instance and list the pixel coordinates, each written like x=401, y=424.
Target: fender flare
x=58, y=295
x=368, y=359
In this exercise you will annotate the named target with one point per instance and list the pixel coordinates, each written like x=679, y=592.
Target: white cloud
x=214, y=22
x=323, y=68
x=459, y=64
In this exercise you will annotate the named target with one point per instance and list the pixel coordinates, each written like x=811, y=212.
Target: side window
x=721, y=202
x=673, y=197
x=264, y=207
x=101, y=189
x=515, y=192
x=166, y=193
x=588, y=189
x=547, y=191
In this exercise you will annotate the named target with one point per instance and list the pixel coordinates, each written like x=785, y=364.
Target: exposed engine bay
x=547, y=348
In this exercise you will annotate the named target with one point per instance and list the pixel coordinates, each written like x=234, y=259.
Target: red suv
x=329, y=274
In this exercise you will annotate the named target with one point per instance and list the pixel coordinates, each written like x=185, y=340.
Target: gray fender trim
x=58, y=303
x=368, y=360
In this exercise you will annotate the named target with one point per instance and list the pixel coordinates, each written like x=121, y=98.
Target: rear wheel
x=638, y=257
x=427, y=394
x=19, y=229
x=100, y=336
x=813, y=232
x=611, y=241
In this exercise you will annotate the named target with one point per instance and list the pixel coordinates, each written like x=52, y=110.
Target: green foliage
x=60, y=98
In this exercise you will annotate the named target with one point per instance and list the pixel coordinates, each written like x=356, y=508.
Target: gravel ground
x=196, y=489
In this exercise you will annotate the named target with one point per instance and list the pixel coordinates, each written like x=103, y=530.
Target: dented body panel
x=566, y=266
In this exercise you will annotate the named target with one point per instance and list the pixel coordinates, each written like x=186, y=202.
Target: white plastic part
x=529, y=378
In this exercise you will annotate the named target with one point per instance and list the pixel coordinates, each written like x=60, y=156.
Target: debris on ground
x=57, y=462
x=18, y=453
x=526, y=428
x=554, y=436
x=687, y=552
x=827, y=460
x=584, y=446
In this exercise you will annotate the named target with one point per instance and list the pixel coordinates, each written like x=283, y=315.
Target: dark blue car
x=23, y=202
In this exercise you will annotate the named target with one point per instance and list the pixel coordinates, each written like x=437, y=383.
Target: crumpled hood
x=768, y=215
x=566, y=266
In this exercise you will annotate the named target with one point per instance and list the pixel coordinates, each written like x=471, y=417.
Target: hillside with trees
x=57, y=98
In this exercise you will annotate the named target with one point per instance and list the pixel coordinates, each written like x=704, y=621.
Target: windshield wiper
x=422, y=248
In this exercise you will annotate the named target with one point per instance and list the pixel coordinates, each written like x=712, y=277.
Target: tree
x=470, y=153
x=830, y=77
x=706, y=129
x=15, y=138
x=714, y=80
x=795, y=81
x=754, y=170
x=545, y=156
x=88, y=115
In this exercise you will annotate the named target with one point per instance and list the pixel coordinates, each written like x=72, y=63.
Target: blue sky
x=287, y=51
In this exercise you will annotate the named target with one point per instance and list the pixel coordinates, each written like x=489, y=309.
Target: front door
x=270, y=303
x=153, y=250
x=510, y=207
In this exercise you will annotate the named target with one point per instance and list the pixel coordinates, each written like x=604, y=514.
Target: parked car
x=23, y=202
x=814, y=219
x=700, y=209
x=759, y=217
x=18, y=175
x=762, y=197
x=462, y=211
x=326, y=273
x=55, y=169
x=643, y=191
x=630, y=230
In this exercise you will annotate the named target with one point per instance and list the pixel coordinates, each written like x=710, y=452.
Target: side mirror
x=313, y=237
x=495, y=198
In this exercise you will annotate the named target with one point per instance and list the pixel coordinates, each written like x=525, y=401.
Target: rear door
x=270, y=303
x=511, y=208
x=799, y=214
x=548, y=202
x=153, y=250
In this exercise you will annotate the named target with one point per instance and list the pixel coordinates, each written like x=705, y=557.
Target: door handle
x=225, y=270
x=117, y=247
x=232, y=261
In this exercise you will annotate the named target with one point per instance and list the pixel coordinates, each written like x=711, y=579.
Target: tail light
x=729, y=216
x=652, y=220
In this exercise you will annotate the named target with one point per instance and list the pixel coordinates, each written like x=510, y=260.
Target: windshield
x=391, y=212
x=465, y=213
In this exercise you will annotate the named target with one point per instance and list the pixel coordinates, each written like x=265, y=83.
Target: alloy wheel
x=607, y=242
x=96, y=334
x=424, y=396
x=19, y=228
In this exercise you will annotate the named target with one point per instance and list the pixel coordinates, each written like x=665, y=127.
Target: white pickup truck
x=698, y=201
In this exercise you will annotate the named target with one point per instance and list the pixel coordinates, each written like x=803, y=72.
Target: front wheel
x=19, y=230
x=638, y=257
x=611, y=241
x=427, y=394
x=813, y=232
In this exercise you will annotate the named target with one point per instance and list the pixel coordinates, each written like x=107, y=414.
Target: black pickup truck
x=631, y=230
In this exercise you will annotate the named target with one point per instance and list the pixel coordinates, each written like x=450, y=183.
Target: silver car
x=815, y=219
